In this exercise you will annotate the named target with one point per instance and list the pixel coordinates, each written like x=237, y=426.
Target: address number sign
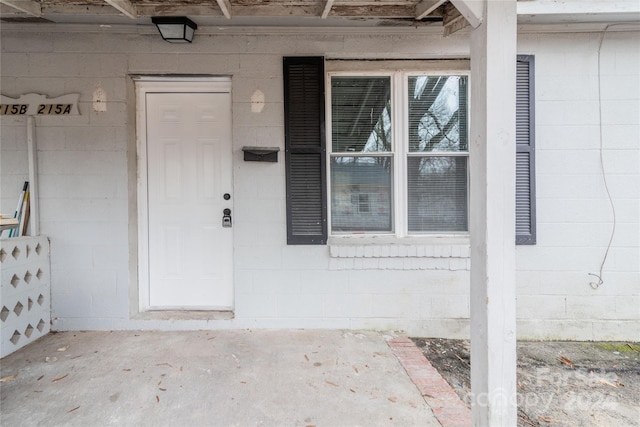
x=34, y=104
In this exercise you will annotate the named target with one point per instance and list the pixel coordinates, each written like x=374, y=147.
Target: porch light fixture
x=175, y=29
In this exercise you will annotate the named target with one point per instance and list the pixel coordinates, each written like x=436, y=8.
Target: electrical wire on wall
x=599, y=276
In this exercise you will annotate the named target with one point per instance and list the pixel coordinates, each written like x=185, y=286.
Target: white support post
x=492, y=216
x=32, y=152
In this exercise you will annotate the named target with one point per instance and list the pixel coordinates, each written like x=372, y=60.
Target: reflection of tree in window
x=434, y=123
x=437, y=128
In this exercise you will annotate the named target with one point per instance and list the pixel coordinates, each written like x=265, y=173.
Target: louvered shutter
x=525, y=153
x=305, y=150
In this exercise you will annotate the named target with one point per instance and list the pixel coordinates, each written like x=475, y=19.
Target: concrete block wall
x=576, y=136
x=88, y=180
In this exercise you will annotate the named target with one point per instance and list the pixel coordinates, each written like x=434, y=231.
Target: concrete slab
x=210, y=378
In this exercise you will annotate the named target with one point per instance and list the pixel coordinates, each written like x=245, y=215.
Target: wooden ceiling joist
x=328, y=4
x=426, y=7
x=29, y=7
x=125, y=7
x=225, y=8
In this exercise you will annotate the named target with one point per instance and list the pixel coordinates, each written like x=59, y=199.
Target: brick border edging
x=444, y=402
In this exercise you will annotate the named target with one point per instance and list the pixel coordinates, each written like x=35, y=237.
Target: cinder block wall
x=88, y=181
x=575, y=218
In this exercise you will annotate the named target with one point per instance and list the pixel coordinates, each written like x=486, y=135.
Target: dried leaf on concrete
x=55, y=380
x=9, y=378
x=566, y=361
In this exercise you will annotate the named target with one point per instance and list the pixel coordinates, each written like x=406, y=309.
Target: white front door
x=189, y=185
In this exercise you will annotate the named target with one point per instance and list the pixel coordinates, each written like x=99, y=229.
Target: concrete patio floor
x=210, y=378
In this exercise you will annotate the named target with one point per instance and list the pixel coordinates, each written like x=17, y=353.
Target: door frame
x=158, y=84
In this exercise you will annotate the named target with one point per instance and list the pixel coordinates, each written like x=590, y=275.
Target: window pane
x=361, y=114
x=361, y=194
x=437, y=113
x=437, y=194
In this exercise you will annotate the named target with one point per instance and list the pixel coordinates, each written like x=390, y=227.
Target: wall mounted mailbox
x=260, y=154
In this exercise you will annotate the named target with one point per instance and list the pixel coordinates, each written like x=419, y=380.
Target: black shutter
x=305, y=152
x=525, y=152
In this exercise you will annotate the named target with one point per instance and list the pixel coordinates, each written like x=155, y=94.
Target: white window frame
x=399, y=153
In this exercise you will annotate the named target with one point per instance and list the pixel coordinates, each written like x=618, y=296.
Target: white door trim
x=158, y=84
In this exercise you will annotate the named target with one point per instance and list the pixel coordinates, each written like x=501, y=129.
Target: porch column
x=492, y=215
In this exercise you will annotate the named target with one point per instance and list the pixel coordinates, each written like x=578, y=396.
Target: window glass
x=361, y=114
x=361, y=194
x=437, y=199
x=436, y=121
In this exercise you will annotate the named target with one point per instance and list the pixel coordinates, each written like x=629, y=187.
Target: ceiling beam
x=472, y=10
x=27, y=6
x=125, y=7
x=225, y=8
x=328, y=4
x=425, y=7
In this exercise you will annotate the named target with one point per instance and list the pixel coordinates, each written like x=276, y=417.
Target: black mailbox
x=260, y=154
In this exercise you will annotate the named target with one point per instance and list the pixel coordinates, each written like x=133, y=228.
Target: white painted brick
x=261, y=66
x=627, y=307
x=457, y=264
x=541, y=306
x=446, y=306
x=565, y=137
x=621, y=87
x=395, y=305
x=394, y=251
x=590, y=307
x=258, y=257
x=151, y=63
x=395, y=263
x=412, y=250
x=271, y=136
x=311, y=257
x=543, y=329
x=276, y=282
x=621, y=136
x=348, y=305
x=621, y=112
x=258, y=305
x=210, y=64
x=370, y=264
x=302, y=305
x=26, y=42
x=61, y=253
x=369, y=251
x=441, y=328
x=385, y=251
x=13, y=64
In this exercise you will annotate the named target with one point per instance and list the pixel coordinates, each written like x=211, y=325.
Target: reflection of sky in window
x=375, y=143
x=434, y=121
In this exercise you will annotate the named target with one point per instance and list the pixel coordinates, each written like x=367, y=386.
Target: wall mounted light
x=175, y=29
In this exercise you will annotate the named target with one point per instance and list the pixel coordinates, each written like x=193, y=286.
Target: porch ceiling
x=229, y=12
x=305, y=13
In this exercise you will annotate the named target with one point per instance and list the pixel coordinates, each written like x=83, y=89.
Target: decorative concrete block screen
x=25, y=309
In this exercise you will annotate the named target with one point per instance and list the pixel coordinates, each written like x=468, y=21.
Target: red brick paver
x=444, y=402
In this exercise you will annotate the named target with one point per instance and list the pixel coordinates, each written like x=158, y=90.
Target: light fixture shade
x=175, y=29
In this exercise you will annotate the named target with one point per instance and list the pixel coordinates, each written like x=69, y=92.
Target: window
x=398, y=157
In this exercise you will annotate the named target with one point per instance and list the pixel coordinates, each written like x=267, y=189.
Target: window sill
x=391, y=253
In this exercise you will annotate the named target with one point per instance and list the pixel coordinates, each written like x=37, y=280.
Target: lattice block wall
x=25, y=307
